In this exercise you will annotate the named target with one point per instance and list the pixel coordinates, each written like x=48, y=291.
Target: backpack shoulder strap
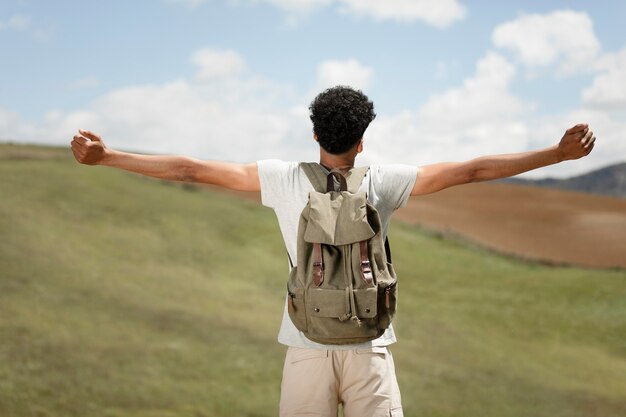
x=318, y=177
x=315, y=175
x=355, y=178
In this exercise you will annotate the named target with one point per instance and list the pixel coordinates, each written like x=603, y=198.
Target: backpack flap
x=337, y=218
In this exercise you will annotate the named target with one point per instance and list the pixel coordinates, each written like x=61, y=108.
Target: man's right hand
x=88, y=148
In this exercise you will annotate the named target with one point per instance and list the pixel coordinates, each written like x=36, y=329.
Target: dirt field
x=531, y=222
x=553, y=226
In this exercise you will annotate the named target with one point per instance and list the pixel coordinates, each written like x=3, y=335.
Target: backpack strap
x=321, y=181
x=355, y=178
x=315, y=175
x=318, y=264
x=366, y=269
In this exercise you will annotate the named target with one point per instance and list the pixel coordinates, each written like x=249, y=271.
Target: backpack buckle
x=366, y=273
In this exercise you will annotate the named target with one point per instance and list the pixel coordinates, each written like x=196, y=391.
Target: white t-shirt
x=285, y=188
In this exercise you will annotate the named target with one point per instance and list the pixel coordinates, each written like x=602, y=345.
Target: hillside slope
x=125, y=296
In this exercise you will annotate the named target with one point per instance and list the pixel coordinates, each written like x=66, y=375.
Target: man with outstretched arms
x=317, y=377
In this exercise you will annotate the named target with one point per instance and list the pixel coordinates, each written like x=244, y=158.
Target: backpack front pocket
x=332, y=319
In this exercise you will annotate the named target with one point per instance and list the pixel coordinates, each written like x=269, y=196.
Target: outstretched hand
x=577, y=142
x=88, y=148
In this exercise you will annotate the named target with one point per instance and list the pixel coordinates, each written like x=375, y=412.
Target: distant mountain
x=610, y=180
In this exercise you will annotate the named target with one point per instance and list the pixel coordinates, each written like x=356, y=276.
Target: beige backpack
x=343, y=289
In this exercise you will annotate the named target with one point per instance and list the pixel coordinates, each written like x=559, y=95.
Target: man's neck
x=342, y=162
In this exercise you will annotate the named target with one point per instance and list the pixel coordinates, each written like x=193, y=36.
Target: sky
x=231, y=80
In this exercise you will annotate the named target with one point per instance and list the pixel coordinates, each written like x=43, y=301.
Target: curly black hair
x=340, y=116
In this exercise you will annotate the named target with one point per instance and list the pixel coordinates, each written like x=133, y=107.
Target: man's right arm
x=89, y=149
x=578, y=141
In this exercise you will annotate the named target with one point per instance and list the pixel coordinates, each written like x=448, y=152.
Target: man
x=317, y=378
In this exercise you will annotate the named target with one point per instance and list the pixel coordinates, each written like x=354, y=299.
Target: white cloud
x=343, y=72
x=16, y=22
x=214, y=63
x=458, y=124
x=485, y=92
x=298, y=9
x=609, y=147
x=608, y=89
x=189, y=3
x=441, y=13
x=227, y=115
x=243, y=117
x=563, y=38
x=215, y=121
x=300, y=6
x=482, y=117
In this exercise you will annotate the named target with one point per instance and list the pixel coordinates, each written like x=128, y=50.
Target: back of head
x=340, y=116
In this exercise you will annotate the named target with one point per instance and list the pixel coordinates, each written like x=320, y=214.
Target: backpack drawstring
x=354, y=317
x=350, y=307
x=348, y=314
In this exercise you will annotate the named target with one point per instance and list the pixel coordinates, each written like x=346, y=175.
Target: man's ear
x=315, y=137
x=359, y=146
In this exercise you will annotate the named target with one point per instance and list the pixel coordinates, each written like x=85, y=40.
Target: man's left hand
x=577, y=142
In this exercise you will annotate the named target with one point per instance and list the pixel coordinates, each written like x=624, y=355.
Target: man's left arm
x=578, y=141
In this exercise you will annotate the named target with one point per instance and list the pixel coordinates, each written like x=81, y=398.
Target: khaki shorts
x=316, y=381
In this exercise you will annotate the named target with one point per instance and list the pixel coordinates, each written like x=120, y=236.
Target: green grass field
x=126, y=296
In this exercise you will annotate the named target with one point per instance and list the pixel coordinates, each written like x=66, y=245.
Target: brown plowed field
x=531, y=222
x=560, y=227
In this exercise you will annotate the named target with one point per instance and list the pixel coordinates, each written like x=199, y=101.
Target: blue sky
x=232, y=79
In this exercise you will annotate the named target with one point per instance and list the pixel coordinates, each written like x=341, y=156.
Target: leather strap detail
x=366, y=268
x=318, y=264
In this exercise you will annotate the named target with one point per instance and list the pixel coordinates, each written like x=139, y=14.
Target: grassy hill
x=126, y=296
